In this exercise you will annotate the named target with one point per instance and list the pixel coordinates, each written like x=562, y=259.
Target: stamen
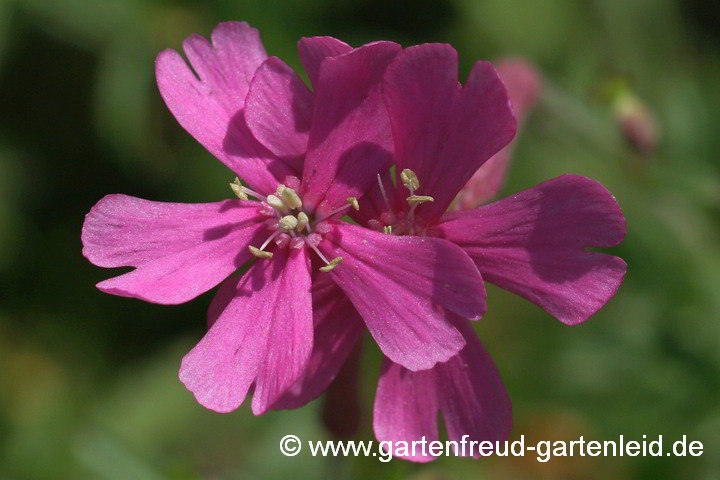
x=275, y=202
x=269, y=239
x=410, y=180
x=332, y=264
x=414, y=200
x=237, y=189
x=247, y=191
x=313, y=245
x=288, y=222
x=302, y=221
x=259, y=253
x=291, y=198
x=384, y=195
x=412, y=183
x=339, y=210
x=242, y=192
x=387, y=229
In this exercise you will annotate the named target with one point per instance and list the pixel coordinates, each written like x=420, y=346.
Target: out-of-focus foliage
x=88, y=385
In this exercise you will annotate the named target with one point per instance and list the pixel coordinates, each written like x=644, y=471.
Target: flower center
x=289, y=224
x=401, y=223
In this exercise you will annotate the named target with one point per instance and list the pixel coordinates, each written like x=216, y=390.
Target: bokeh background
x=88, y=385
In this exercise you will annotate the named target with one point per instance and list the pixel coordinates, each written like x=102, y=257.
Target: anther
x=237, y=189
x=332, y=264
x=275, y=202
x=288, y=222
x=410, y=180
x=302, y=221
x=387, y=229
x=242, y=192
x=259, y=253
x=418, y=199
x=291, y=198
x=354, y=203
x=280, y=189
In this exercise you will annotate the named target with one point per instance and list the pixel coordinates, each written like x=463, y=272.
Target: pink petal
x=179, y=250
x=264, y=335
x=442, y=131
x=338, y=327
x=406, y=407
x=523, y=83
x=210, y=105
x=467, y=389
x=402, y=287
x=533, y=244
x=313, y=50
x=473, y=396
x=349, y=140
x=278, y=109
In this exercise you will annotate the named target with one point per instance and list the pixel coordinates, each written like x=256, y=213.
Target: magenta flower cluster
x=389, y=137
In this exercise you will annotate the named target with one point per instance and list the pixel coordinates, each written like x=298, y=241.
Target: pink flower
x=397, y=283
x=305, y=153
x=533, y=244
x=308, y=155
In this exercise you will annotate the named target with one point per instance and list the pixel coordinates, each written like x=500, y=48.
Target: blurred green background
x=88, y=385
